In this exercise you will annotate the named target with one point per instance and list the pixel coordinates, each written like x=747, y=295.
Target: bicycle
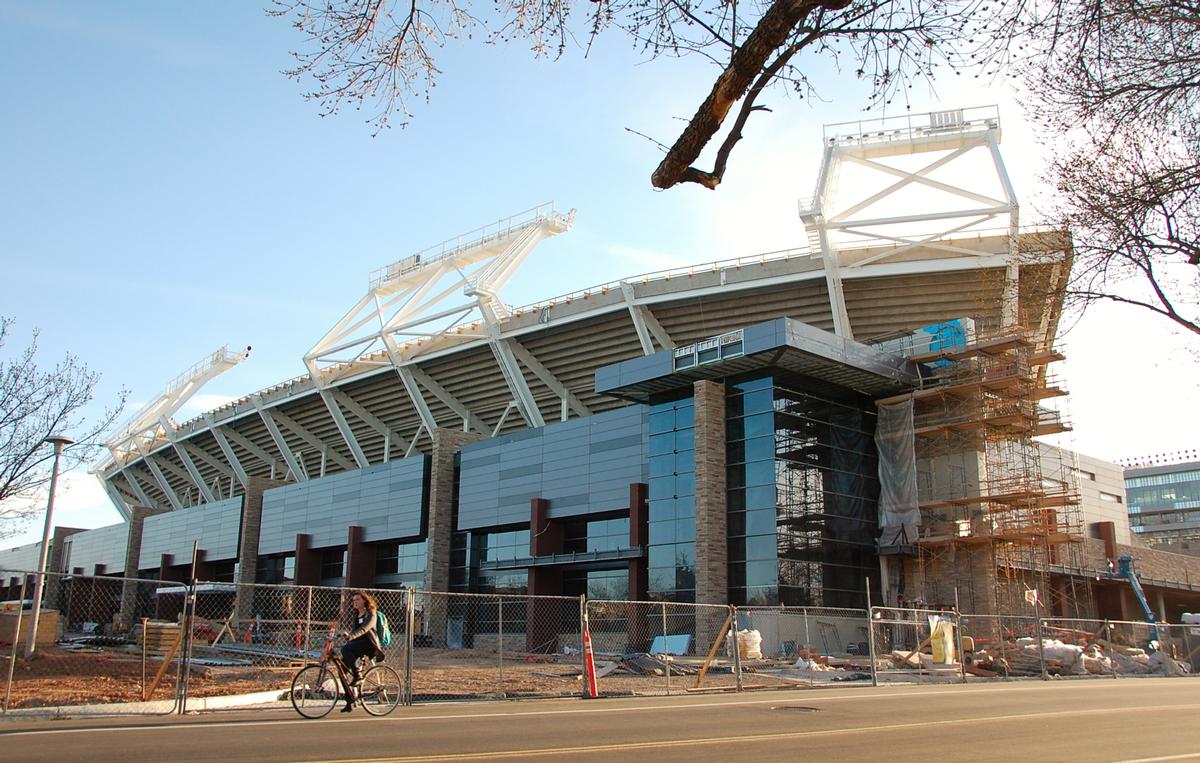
x=318, y=687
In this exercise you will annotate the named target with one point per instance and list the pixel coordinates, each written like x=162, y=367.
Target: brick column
x=247, y=569
x=639, y=535
x=360, y=559
x=440, y=527
x=128, y=613
x=54, y=566
x=638, y=618
x=712, y=568
x=308, y=561
x=542, y=617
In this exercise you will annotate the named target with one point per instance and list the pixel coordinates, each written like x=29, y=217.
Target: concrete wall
x=580, y=466
x=386, y=500
x=104, y=545
x=213, y=525
x=1099, y=483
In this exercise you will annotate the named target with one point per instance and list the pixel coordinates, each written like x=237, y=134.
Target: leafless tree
x=34, y=404
x=1120, y=80
x=379, y=53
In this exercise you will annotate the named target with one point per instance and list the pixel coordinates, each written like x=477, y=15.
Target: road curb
x=154, y=707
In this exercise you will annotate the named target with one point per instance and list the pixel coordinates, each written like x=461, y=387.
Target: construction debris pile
x=1069, y=653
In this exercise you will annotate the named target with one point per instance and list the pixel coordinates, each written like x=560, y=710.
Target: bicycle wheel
x=315, y=691
x=380, y=690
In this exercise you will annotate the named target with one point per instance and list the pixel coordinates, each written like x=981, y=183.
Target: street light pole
x=59, y=442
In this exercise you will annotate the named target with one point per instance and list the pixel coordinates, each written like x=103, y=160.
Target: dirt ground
x=59, y=676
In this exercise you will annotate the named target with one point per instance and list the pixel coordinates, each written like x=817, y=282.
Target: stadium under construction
x=857, y=416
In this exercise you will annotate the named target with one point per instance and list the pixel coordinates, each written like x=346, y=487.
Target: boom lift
x=1125, y=571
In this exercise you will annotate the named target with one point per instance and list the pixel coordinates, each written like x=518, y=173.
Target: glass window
x=760, y=548
x=662, y=421
x=759, y=424
x=662, y=466
x=661, y=444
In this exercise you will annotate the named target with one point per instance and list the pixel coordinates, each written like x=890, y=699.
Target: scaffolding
x=999, y=511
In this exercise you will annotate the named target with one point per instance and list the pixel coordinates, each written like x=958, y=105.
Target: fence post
x=12, y=658
x=500, y=627
x=1041, y=648
x=666, y=662
x=583, y=627
x=737, y=648
x=1112, y=649
x=409, y=624
x=189, y=614
x=308, y=622
x=870, y=634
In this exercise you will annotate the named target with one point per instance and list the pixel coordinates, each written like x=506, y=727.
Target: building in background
x=1163, y=495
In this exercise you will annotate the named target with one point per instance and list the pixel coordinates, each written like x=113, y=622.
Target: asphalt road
x=1099, y=720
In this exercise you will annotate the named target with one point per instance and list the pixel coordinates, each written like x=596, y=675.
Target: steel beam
x=297, y=469
x=450, y=401
x=316, y=442
x=344, y=427
x=373, y=421
x=161, y=479
x=418, y=400
x=123, y=507
x=143, y=496
x=227, y=450
x=548, y=378
x=517, y=385
x=186, y=459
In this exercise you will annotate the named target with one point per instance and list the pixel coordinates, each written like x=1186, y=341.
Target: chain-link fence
x=803, y=646
x=467, y=646
x=1000, y=646
x=644, y=647
x=147, y=646
x=97, y=640
x=913, y=644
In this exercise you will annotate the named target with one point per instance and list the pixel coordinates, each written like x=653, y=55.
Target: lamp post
x=59, y=442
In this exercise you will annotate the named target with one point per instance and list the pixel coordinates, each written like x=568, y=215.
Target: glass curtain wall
x=671, y=549
x=827, y=488
x=802, y=491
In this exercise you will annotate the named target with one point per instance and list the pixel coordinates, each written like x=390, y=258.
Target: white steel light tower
x=445, y=295
x=869, y=221
x=152, y=425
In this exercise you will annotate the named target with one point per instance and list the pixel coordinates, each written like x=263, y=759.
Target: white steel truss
x=961, y=200
x=416, y=305
x=227, y=451
x=152, y=425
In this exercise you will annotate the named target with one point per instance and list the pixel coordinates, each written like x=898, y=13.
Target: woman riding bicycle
x=363, y=640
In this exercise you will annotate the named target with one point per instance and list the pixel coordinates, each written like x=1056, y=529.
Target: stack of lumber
x=159, y=637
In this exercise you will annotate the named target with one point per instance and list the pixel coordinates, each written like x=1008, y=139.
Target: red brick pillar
x=308, y=561
x=543, y=617
x=360, y=559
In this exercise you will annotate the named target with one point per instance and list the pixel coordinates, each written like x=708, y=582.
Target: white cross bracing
x=152, y=425
x=441, y=296
x=960, y=205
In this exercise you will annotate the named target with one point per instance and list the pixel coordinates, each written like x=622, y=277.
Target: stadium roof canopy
x=431, y=345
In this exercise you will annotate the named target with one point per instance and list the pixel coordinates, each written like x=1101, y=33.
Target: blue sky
x=165, y=191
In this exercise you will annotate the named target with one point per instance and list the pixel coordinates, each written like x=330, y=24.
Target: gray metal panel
x=386, y=500
x=104, y=545
x=214, y=526
x=20, y=559
x=581, y=466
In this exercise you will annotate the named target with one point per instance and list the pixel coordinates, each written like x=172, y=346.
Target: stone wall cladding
x=712, y=569
x=446, y=442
